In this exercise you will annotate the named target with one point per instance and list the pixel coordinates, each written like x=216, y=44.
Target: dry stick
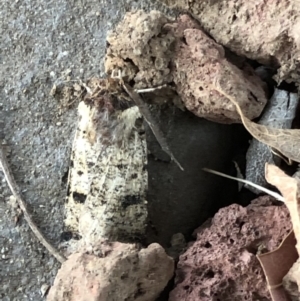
x=151, y=122
x=16, y=193
x=150, y=89
x=269, y=192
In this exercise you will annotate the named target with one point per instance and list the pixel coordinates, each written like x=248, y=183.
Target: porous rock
x=221, y=264
x=207, y=81
x=119, y=272
x=141, y=49
x=152, y=50
x=266, y=31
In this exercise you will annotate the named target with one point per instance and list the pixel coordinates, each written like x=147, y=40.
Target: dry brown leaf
x=289, y=188
x=287, y=142
x=286, y=254
x=276, y=265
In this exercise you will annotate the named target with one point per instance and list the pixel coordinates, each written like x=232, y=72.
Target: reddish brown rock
x=221, y=264
x=152, y=50
x=207, y=81
x=121, y=272
x=266, y=31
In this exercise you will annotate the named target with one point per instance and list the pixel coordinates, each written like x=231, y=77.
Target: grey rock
x=279, y=113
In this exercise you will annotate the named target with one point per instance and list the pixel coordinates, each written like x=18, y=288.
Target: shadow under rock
x=180, y=201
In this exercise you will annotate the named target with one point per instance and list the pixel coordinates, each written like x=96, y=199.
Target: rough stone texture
x=266, y=31
x=151, y=51
x=141, y=49
x=123, y=272
x=221, y=263
x=206, y=80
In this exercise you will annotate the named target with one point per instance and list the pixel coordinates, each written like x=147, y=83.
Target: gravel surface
x=40, y=41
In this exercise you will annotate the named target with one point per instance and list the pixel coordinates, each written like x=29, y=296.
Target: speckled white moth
x=108, y=175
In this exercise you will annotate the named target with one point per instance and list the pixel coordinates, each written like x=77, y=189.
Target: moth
x=108, y=175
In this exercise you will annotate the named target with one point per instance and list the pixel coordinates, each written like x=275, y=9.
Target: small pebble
x=44, y=289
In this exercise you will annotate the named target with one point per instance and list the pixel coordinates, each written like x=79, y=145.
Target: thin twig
x=269, y=192
x=17, y=194
x=150, y=89
x=147, y=114
x=151, y=122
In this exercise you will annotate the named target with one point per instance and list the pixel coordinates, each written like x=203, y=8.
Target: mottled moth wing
x=108, y=176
